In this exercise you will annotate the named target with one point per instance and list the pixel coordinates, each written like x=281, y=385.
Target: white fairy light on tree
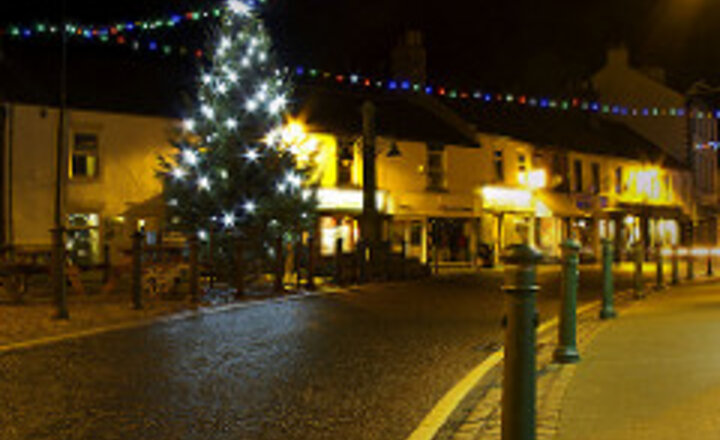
x=190, y=157
x=238, y=7
x=252, y=155
x=231, y=149
x=204, y=183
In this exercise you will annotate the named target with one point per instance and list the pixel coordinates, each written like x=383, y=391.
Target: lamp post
x=58, y=230
x=371, y=228
x=370, y=220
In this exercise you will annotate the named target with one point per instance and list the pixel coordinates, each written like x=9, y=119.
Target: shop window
x=331, y=229
x=436, y=169
x=84, y=158
x=618, y=180
x=578, y=172
x=596, y=178
x=83, y=242
x=499, y=166
x=345, y=160
x=416, y=230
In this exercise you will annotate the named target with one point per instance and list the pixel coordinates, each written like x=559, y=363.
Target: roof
x=97, y=80
x=398, y=116
x=571, y=130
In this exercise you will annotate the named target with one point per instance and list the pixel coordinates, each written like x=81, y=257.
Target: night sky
x=529, y=45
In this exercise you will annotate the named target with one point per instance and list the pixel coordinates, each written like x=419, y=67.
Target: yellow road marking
x=438, y=416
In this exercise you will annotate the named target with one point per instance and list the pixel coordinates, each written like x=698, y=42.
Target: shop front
x=652, y=225
x=339, y=214
x=451, y=239
x=508, y=218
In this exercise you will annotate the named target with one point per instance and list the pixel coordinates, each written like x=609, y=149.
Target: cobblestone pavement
x=368, y=363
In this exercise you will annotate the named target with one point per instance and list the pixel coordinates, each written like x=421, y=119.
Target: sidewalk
x=653, y=374
x=648, y=374
x=33, y=321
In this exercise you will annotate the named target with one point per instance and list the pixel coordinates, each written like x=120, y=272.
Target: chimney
x=618, y=56
x=409, y=58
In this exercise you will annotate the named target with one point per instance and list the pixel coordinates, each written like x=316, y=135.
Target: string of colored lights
x=117, y=34
x=106, y=32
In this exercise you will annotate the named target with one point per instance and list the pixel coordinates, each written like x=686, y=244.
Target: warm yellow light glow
x=648, y=184
x=334, y=199
x=542, y=210
x=700, y=252
x=294, y=132
x=536, y=179
x=507, y=199
x=668, y=231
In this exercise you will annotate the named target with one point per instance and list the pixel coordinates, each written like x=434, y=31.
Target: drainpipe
x=10, y=124
x=3, y=173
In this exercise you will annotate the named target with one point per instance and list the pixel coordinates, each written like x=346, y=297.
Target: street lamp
x=58, y=238
x=370, y=219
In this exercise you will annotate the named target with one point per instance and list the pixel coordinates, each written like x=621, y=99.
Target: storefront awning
x=658, y=211
x=560, y=205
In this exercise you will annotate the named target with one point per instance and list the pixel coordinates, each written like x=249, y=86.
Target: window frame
x=596, y=176
x=345, y=152
x=578, y=184
x=499, y=165
x=85, y=153
x=436, y=172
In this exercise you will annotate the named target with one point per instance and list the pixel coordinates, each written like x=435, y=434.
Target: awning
x=560, y=205
x=660, y=211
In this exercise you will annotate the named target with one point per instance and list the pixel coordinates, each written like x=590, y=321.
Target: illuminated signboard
x=507, y=199
x=351, y=200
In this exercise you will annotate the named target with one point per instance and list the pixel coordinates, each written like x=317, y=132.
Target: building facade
x=537, y=178
x=691, y=139
x=110, y=174
x=447, y=191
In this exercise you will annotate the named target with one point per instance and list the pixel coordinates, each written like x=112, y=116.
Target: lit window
x=83, y=244
x=345, y=159
x=84, y=159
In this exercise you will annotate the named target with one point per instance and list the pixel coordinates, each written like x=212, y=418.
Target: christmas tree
x=234, y=176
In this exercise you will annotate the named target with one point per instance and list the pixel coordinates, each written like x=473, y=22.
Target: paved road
x=368, y=364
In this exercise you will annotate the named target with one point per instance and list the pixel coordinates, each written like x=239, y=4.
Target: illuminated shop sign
x=507, y=199
x=334, y=199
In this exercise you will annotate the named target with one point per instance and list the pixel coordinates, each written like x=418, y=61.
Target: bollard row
x=519, y=375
